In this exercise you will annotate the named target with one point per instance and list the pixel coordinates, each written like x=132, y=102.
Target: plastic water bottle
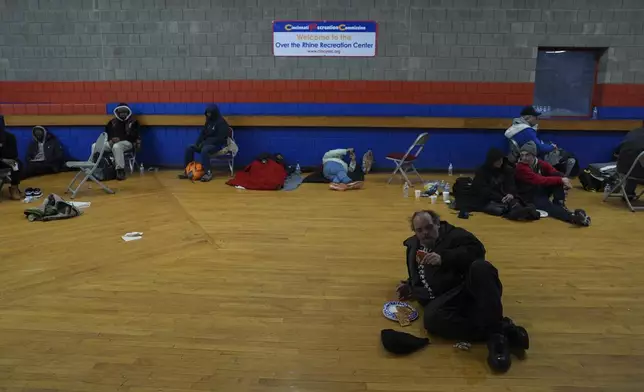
x=141, y=169
x=595, y=113
x=298, y=170
x=450, y=170
x=406, y=189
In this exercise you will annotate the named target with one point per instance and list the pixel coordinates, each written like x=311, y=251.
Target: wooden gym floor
x=233, y=290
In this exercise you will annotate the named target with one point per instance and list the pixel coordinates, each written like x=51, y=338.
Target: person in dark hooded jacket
x=44, y=154
x=212, y=138
x=493, y=186
x=9, y=160
x=461, y=291
x=122, y=135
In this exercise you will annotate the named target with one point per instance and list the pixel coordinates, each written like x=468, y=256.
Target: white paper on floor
x=80, y=204
x=133, y=236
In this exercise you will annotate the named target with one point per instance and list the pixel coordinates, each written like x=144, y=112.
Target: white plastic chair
x=405, y=161
x=87, y=168
x=619, y=189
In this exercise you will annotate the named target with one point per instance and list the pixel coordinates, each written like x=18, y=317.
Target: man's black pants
x=555, y=207
x=471, y=311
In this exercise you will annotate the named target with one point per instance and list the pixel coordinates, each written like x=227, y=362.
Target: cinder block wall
x=419, y=40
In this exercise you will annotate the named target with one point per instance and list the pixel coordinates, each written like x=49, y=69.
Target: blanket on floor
x=261, y=175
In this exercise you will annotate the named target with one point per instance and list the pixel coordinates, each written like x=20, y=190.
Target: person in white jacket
x=343, y=175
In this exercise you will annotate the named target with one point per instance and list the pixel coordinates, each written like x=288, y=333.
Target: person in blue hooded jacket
x=212, y=138
x=524, y=130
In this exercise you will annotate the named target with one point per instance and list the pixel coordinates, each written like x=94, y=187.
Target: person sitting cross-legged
x=493, y=186
x=460, y=290
x=44, y=154
x=342, y=174
x=212, y=139
x=541, y=184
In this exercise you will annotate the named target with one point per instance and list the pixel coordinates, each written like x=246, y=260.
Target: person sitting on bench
x=342, y=174
x=211, y=140
x=461, y=291
x=9, y=160
x=44, y=154
x=537, y=182
x=122, y=135
x=524, y=130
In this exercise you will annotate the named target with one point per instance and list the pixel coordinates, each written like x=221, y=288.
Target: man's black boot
x=498, y=356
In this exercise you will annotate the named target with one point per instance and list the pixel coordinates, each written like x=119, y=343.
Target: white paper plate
x=389, y=310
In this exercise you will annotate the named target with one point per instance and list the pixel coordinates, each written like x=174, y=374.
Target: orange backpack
x=195, y=171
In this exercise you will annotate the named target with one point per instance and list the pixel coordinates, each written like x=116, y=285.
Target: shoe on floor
x=338, y=187
x=207, y=177
x=14, y=193
x=120, y=174
x=36, y=192
x=367, y=161
x=355, y=185
x=580, y=218
x=517, y=336
x=29, y=192
x=498, y=357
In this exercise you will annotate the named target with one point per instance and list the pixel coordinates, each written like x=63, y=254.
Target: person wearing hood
x=460, y=290
x=524, y=130
x=123, y=135
x=541, y=184
x=44, y=154
x=9, y=159
x=212, y=139
x=493, y=187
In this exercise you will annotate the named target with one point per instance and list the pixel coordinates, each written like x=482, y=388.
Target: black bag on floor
x=462, y=191
x=596, y=176
x=106, y=170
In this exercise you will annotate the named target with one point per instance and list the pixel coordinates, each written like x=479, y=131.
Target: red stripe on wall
x=305, y=91
x=91, y=97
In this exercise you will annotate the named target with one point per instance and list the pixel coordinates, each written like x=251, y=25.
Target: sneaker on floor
x=207, y=177
x=498, y=357
x=120, y=174
x=517, y=336
x=355, y=185
x=14, y=193
x=367, y=161
x=36, y=192
x=29, y=192
x=581, y=218
x=338, y=187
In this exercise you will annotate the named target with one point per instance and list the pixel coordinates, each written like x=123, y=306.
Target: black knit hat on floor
x=401, y=343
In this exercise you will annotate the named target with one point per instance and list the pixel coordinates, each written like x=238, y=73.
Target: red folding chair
x=405, y=161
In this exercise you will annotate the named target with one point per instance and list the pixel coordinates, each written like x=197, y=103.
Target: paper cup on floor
x=417, y=194
x=433, y=198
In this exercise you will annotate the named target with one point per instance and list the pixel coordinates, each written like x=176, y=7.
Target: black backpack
x=462, y=190
x=106, y=170
x=595, y=177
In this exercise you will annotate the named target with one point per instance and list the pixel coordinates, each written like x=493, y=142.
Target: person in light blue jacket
x=524, y=130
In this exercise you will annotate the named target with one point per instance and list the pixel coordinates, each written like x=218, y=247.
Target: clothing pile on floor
x=268, y=172
x=53, y=208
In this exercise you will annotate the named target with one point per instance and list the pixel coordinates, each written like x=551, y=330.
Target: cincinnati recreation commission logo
x=316, y=27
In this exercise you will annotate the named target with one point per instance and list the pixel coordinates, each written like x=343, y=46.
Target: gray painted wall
x=456, y=40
